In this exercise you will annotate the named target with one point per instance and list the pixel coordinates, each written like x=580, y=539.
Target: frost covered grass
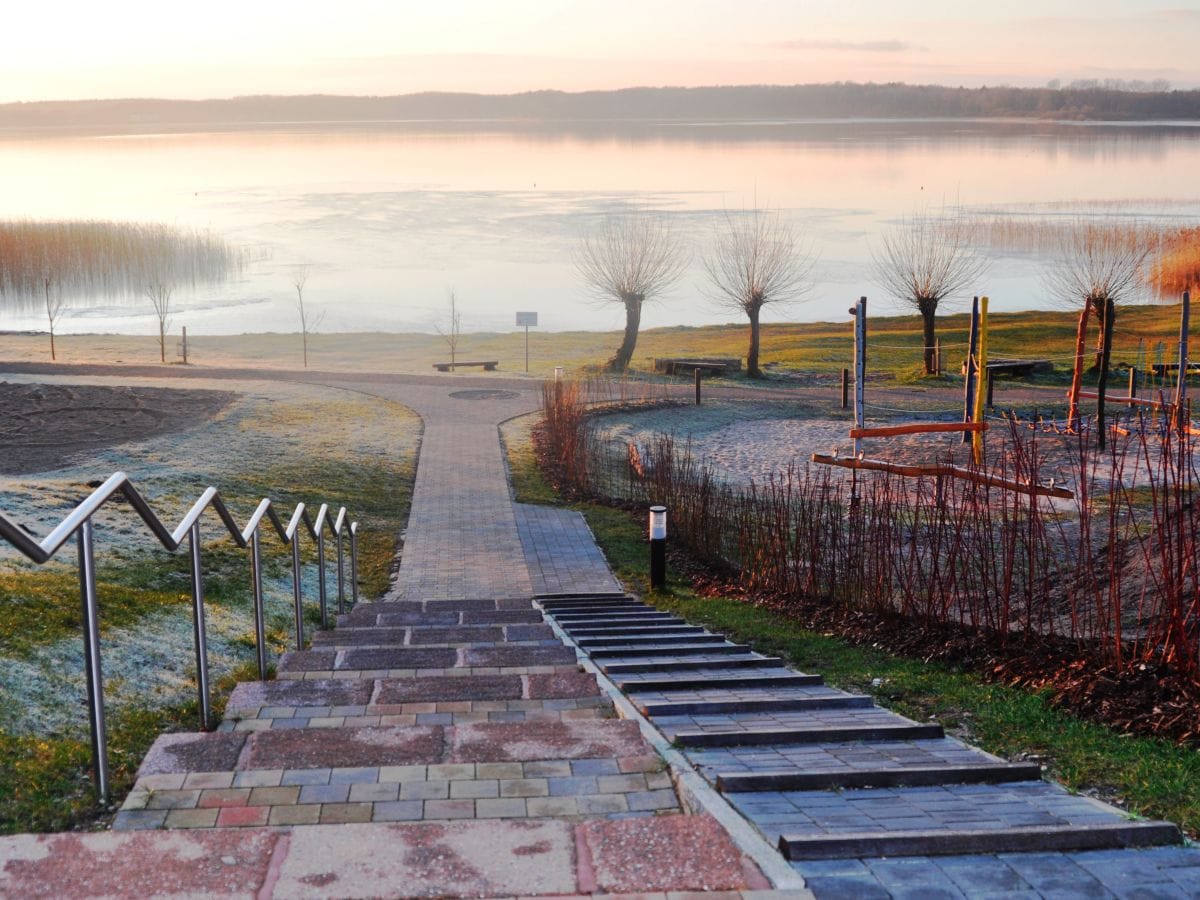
x=294, y=443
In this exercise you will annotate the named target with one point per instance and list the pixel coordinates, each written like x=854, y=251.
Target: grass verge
x=1148, y=777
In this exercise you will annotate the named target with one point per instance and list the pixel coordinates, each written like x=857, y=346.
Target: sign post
x=527, y=319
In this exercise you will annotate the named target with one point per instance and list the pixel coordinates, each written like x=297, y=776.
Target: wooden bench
x=1160, y=369
x=1017, y=368
x=674, y=366
x=488, y=365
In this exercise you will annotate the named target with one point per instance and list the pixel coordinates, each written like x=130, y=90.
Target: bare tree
x=922, y=261
x=310, y=320
x=630, y=260
x=1096, y=261
x=158, y=292
x=55, y=304
x=757, y=259
x=452, y=330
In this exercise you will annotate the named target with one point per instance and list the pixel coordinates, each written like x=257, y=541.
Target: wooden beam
x=917, y=428
x=935, y=469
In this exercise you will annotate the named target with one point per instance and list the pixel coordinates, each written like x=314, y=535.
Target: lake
x=390, y=216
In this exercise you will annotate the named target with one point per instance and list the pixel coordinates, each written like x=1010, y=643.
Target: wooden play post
x=1077, y=375
x=1110, y=313
x=937, y=356
x=845, y=388
x=860, y=366
x=697, y=387
x=969, y=383
x=1181, y=385
x=981, y=368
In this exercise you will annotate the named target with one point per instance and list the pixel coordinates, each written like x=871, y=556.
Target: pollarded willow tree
x=1096, y=261
x=757, y=259
x=60, y=263
x=922, y=261
x=631, y=260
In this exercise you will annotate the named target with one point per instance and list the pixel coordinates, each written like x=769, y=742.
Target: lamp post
x=658, y=547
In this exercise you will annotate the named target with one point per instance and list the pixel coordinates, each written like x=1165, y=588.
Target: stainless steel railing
x=79, y=524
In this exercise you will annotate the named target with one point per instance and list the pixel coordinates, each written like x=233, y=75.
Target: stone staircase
x=825, y=774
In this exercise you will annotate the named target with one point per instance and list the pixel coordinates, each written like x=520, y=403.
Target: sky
x=222, y=48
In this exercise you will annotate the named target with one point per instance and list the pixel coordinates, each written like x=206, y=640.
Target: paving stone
x=397, y=658
x=192, y=818
x=562, y=685
x=666, y=852
x=499, y=808
x=307, y=661
x=516, y=656
x=344, y=746
x=432, y=690
x=466, y=634
x=398, y=811
x=449, y=809
x=292, y=693
x=193, y=752
x=503, y=741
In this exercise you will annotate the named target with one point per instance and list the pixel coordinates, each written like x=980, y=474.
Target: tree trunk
x=752, y=369
x=162, y=340
x=1099, y=304
x=633, y=321
x=53, y=358
x=928, y=309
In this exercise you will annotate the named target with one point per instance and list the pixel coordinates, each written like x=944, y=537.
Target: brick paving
x=443, y=741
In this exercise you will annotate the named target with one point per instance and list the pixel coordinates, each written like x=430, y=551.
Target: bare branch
x=1096, y=261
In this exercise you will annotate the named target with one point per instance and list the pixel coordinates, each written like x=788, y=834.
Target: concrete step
x=757, y=736
x=618, y=621
x=412, y=659
x=595, y=603
x=899, y=776
x=591, y=612
x=637, y=640
x=707, y=663
x=581, y=631
x=746, y=705
x=631, y=651
x=1034, y=839
x=776, y=677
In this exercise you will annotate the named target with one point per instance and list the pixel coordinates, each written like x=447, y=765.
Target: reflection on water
x=391, y=215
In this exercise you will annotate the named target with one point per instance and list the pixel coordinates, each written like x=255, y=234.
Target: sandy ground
x=44, y=426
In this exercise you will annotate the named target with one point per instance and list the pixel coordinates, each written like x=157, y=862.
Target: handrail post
x=91, y=660
x=341, y=576
x=260, y=629
x=296, y=590
x=321, y=577
x=199, y=627
x=354, y=566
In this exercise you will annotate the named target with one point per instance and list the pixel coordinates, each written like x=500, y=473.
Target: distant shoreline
x=842, y=101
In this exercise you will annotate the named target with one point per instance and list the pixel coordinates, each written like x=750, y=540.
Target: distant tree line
x=1108, y=99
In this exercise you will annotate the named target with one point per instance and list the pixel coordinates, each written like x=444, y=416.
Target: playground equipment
x=972, y=427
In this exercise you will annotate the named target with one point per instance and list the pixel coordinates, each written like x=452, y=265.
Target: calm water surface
x=390, y=216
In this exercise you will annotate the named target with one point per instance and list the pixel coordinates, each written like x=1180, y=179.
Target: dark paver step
x=670, y=628
x=676, y=665
x=647, y=640
x=578, y=595
x=593, y=611
x=806, y=735
x=665, y=650
x=593, y=603
x=719, y=679
x=794, y=780
x=1101, y=836
x=609, y=620
x=704, y=707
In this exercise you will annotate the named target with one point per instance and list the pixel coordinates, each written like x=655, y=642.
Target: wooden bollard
x=1132, y=382
x=845, y=388
x=991, y=383
x=697, y=387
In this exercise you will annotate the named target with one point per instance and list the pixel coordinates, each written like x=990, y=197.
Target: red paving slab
x=193, y=752
x=399, y=658
x=528, y=741
x=474, y=859
x=291, y=692
x=315, y=748
x=518, y=656
x=666, y=853
x=562, y=686
x=211, y=862
x=440, y=689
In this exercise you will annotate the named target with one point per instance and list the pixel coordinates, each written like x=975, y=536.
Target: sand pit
x=48, y=426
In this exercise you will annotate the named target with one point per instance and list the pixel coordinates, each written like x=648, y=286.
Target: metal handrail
x=78, y=523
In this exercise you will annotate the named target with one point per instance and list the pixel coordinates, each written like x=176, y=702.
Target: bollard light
x=658, y=547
